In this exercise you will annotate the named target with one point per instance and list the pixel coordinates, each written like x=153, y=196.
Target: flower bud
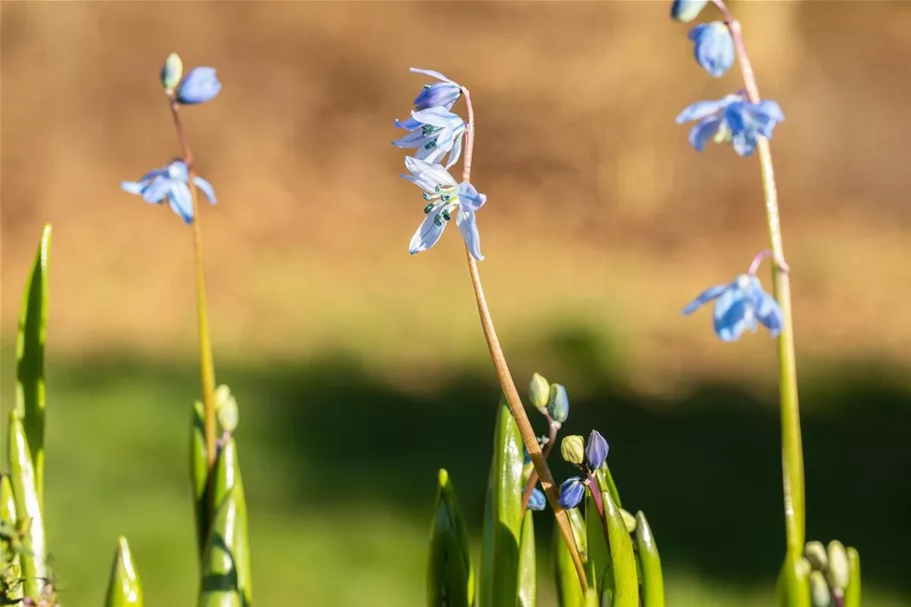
x=537, y=501
x=573, y=449
x=714, y=47
x=819, y=590
x=571, y=493
x=538, y=392
x=629, y=520
x=200, y=85
x=226, y=408
x=816, y=554
x=839, y=570
x=171, y=72
x=558, y=403
x=595, y=450
x=687, y=10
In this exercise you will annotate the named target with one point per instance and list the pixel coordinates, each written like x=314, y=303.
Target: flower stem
x=509, y=387
x=207, y=367
x=533, y=477
x=792, y=450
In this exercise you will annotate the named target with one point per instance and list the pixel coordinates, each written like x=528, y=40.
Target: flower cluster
x=435, y=132
x=588, y=456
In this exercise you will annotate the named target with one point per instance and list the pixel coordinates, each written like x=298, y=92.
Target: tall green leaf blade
x=852, y=592
x=450, y=580
x=528, y=572
x=221, y=576
x=28, y=508
x=227, y=487
x=199, y=470
x=569, y=593
x=30, y=401
x=124, y=587
x=503, y=516
x=622, y=559
x=652, y=576
x=598, y=561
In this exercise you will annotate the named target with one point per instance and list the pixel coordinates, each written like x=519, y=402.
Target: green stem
x=509, y=387
x=792, y=450
x=206, y=364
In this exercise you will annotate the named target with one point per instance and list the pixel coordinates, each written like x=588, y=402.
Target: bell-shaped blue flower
x=537, y=501
x=738, y=306
x=713, y=47
x=687, y=10
x=444, y=196
x=170, y=183
x=595, y=450
x=572, y=490
x=439, y=94
x=434, y=132
x=731, y=119
x=200, y=85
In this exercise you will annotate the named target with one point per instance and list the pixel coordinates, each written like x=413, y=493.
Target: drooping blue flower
x=714, y=47
x=200, y=85
x=572, y=490
x=537, y=501
x=170, y=183
x=738, y=306
x=687, y=10
x=731, y=119
x=434, y=132
x=595, y=450
x=439, y=94
x=444, y=196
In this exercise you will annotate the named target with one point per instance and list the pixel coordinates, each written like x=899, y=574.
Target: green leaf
x=606, y=482
x=622, y=559
x=124, y=587
x=199, y=471
x=852, y=592
x=528, y=572
x=9, y=558
x=502, y=516
x=30, y=359
x=591, y=598
x=226, y=561
x=450, y=580
x=794, y=582
x=569, y=593
x=227, y=488
x=598, y=561
x=28, y=508
x=650, y=562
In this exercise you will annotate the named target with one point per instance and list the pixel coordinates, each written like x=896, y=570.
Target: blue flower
x=738, y=306
x=444, y=196
x=595, y=450
x=731, y=119
x=571, y=492
x=714, y=47
x=439, y=94
x=200, y=85
x=171, y=183
x=687, y=10
x=537, y=501
x=434, y=132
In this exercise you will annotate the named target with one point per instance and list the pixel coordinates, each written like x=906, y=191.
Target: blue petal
x=703, y=298
x=686, y=10
x=767, y=311
x=468, y=226
x=744, y=143
x=154, y=173
x=571, y=493
x=733, y=314
x=200, y=85
x=427, y=175
x=409, y=124
x=157, y=189
x=133, y=187
x=178, y=170
x=456, y=152
x=699, y=110
x=442, y=94
x=437, y=116
x=596, y=449
x=704, y=130
x=414, y=139
x=469, y=198
x=181, y=201
x=770, y=109
x=431, y=73
x=428, y=233
x=206, y=188
x=714, y=49
x=537, y=501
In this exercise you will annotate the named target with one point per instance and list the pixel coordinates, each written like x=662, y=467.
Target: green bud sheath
x=650, y=562
x=199, y=473
x=228, y=487
x=569, y=594
x=28, y=507
x=450, y=579
x=622, y=558
x=226, y=552
x=528, y=572
x=30, y=401
x=794, y=582
x=124, y=588
x=852, y=591
x=839, y=570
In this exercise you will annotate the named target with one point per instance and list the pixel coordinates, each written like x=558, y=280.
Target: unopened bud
x=629, y=520
x=558, y=403
x=839, y=570
x=573, y=449
x=171, y=72
x=226, y=408
x=819, y=590
x=538, y=391
x=816, y=554
x=687, y=10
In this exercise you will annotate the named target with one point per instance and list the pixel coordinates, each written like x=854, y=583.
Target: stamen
x=437, y=221
x=430, y=145
x=426, y=196
x=445, y=197
x=428, y=130
x=438, y=188
x=428, y=208
x=446, y=215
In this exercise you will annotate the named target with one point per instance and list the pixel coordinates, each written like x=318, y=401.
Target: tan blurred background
x=600, y=219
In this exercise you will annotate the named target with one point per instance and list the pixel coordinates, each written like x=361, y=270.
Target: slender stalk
x=509, y=387
x=792, y=450
x=533, y=477
x=206, y=364
x=595, y=488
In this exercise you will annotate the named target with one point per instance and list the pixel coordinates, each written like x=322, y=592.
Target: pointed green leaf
x=30, y=359
x=569, y=593
x=528, y=572
x=598, y=562
x=794, y=582
x=199, y=473
x=650, y=562
x=28, y=508
x=224, y=569
x=124, y=587
x=450, y=580
x=606, y=482
x=852, y=592
x=622, y=559
x=503, y=516
x=227, y=486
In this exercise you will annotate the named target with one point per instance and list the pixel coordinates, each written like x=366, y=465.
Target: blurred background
x=361, y=370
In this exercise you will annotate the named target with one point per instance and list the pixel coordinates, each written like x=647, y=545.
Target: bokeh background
x=361, y=370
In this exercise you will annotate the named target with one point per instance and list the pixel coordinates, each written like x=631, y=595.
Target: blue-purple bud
x=714, y=47
x=537, y=501
x=571, y=492
x=438, y=94
x=687, y=10
x=595, y=450
x=171, y=72
x=558, y=403
x=200, y=85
